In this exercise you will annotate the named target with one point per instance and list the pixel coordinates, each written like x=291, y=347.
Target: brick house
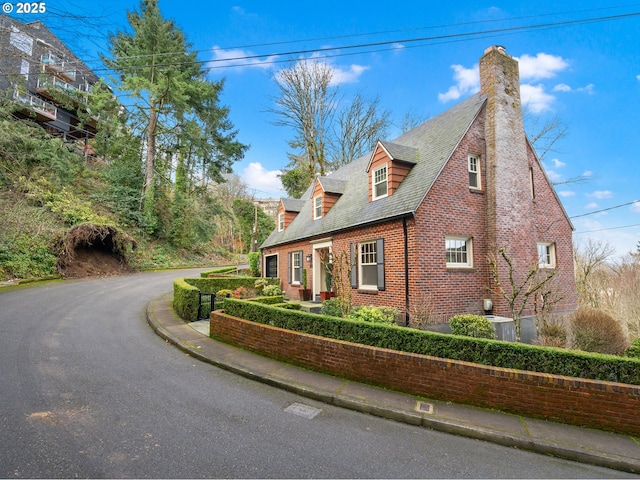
x=420, y=217
x=46, y=78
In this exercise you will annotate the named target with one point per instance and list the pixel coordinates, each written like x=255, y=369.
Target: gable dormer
x=288, y=209
x=326, y=192
x=388, y=165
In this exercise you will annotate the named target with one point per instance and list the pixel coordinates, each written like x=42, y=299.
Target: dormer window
x=317, y=207
x=380, y=182
x=281, y=221
x=474, y=172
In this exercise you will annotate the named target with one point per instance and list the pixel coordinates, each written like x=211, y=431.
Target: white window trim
x=478, y=185
x=280, y=222
x=551, y=253
x=316, y=207
x=294, y=255
x=361, y=264
x=373, y=182
x=469, y=249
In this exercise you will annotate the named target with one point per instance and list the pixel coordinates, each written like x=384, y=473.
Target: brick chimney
x=510, y=214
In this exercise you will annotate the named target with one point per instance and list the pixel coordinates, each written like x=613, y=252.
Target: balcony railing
x=57, y=65
x=40, y=106
x=50, y=85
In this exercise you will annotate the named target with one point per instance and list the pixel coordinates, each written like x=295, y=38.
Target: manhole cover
x=302, y=410
x=424, y=407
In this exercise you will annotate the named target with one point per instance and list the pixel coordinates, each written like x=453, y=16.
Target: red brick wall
x=596, y=404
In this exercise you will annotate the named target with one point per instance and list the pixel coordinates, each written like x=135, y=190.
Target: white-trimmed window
x=280, y=222
x=546, y=255
x=296, y=267
x=459, y=252
x=474, y=171
x=317, y=207
x=368, y=265
x=379, y=182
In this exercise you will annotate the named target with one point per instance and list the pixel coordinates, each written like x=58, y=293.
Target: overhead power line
x=605, y=209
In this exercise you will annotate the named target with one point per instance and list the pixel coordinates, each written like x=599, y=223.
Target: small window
x=296, y=267
x=546, y=255
x=459, y=252
x=280, y=222
x=317, y=207
x=380, y=184
x=368, y=265
x=532, y=184
x=474, y=172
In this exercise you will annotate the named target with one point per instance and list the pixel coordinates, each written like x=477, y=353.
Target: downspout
x=406, y=270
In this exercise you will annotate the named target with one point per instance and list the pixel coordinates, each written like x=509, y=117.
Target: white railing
x=36, y=103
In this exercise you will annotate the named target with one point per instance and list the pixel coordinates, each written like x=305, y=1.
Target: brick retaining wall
x=597, y=404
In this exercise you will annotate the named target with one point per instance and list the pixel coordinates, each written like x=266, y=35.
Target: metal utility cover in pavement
x=424, y=407
x=302, y=410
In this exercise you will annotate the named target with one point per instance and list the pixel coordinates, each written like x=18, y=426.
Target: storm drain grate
x=424, y=407
x=302, y=410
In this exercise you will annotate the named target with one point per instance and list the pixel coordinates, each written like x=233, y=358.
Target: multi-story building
x=47, y=79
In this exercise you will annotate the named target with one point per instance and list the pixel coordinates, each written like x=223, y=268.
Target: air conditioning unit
x=504, y=328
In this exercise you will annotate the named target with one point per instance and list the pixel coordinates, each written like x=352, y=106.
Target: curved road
x=88, y=390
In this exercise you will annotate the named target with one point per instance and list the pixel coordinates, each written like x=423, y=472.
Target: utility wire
x=604, y=209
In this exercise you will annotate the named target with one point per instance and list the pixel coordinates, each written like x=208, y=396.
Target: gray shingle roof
x=429, y=146
x=332, y=185
x=292, y=204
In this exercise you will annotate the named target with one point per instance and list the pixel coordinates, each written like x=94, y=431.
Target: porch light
x=309, y=258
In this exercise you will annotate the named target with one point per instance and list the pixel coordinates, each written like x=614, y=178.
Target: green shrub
x=254, y=263
x=288, y=305
x=477, y=350
x=634, y=349
x=186, y=291
x=331, y=307
x=218, y=272
x=373, y=314
x=596, y=331
x=259, y=285
x=271, y=290
x=224, y=293
x=475, y=326
x=267, y=300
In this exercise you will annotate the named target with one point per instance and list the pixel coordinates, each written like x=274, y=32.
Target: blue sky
x=584, y=70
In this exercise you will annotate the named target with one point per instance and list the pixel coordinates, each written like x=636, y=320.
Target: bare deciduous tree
x=359, y=126
x=307, y=103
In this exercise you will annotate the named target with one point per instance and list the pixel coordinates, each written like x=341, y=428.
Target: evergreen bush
x=472, y=326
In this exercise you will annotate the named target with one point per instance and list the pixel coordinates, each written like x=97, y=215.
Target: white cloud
x=635, y=207
x=350, y=74
x=563, y=87
x=638, y=77
x=600, y=194
x=535, y=98
x=587, y=173
x=567, y=193
x=256, y=177
x=238, y=58
x=467, y=81
x=541, y=66
x=557, y=163
x=591, y=205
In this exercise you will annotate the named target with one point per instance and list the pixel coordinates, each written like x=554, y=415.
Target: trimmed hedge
x=477, y=350
x=186, y=291
x=219, y=271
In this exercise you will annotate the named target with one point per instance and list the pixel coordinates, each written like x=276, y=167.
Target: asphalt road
x=88, y=390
